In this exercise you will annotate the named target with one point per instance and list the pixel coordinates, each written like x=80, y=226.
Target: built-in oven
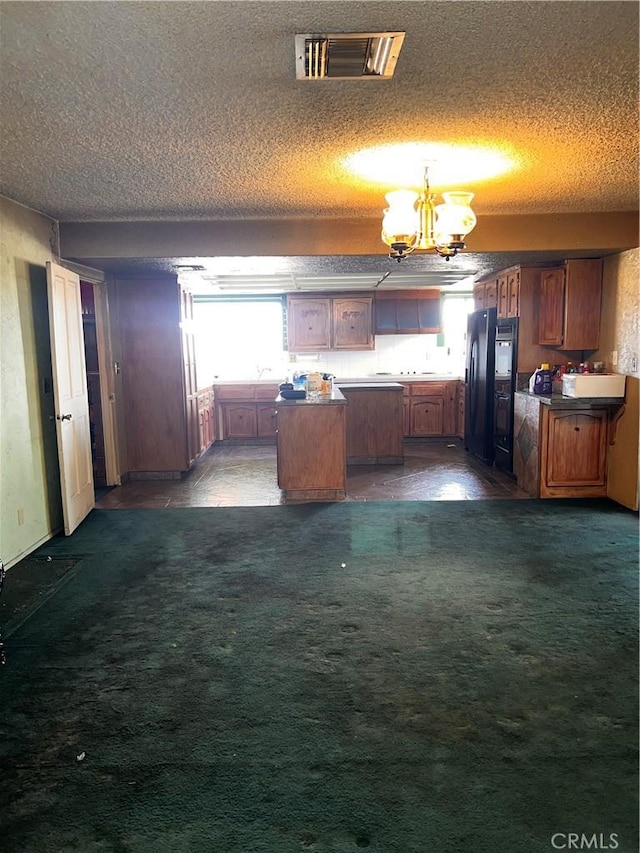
x=504, y=386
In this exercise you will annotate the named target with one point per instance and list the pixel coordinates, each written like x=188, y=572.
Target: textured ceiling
x=179, y=111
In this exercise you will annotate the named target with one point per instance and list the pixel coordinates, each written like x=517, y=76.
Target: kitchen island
x=312, y=448
x=374, y=422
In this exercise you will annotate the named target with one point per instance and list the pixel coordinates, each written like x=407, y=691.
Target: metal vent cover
x=347, y=56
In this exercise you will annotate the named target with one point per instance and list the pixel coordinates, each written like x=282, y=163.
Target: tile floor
x=245, y=475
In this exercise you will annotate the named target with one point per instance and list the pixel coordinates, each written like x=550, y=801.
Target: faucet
x=261, y=370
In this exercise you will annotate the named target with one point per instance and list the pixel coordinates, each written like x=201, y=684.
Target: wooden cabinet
x=265, y=419
x=508, y=294
x=431, y=409
x=573, y=454
x=569, y=300
x=427, y=416
x=242, y=415
x=206, y=418
x=410, y=312
x=551, y=308
x=156, y=385
x=341, y=322
x=308, y=323
x=240, y=420
x=374, y=424
x=461, y=401
x=352, y=323
x=485, y=293
x=560, y=451
x=311, y=442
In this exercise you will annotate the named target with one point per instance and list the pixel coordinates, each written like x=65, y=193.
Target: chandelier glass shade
x=413, y=221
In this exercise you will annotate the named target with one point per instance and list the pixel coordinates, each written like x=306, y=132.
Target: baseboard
x=33, y=547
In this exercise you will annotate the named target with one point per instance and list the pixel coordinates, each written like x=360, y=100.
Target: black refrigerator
x=479, y=383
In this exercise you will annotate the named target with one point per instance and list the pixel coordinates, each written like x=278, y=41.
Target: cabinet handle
x=577, y=429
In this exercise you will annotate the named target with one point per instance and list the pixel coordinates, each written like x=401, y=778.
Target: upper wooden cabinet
x=341, y=322
x=569, y=305
x=408, y=312
x=508, y=296
x=352, y=322
x=485, y=293
x=308, y=323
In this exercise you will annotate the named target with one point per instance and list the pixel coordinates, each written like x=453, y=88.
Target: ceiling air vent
x=347, y=56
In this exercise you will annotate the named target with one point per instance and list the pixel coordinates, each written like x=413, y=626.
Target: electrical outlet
x=614, y=358
x=20, y=516
x=634, y=364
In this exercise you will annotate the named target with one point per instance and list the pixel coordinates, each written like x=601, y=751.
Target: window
x=239, y=338
x=455, y=309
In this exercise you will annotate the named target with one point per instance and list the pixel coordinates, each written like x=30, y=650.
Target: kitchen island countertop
x=336, y=396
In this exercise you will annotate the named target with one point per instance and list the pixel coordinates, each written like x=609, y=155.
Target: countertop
x=349, y=380
x=336, y=396
x=353, y=385
x=559, y=401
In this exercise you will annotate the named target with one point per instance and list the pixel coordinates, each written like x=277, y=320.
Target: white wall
x=30, y=505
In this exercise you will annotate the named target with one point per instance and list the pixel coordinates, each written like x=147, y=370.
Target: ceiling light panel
x=347, y=56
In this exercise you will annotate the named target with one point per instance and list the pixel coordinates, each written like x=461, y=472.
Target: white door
x=70, y=395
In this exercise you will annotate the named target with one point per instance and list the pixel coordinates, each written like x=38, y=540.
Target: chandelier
x=413, y=222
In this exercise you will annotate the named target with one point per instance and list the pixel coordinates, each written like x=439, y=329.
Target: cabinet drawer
x=428, y=389
x=234, y=392
x=265, y=392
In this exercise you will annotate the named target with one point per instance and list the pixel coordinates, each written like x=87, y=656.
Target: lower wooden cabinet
x=240, y=420
x=573, y=453
x=265, y=419
x=461, y=399
x=246, y=410
x=427, y=416
x=560, y=451
x=431, y=409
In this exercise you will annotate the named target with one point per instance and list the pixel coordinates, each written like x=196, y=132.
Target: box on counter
x=593, y=384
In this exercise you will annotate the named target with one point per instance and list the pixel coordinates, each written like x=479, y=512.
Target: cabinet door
x=309, y=324
x=576, y=444
x=265, y=419
x=513, y=294
x=450, y=410
x=386, y=322
x=503, y=296
x=406, y=416
x=551, y=308
x=427, y=416
x=429, y=320
x=460, y=431
x=352, y=323
x=240, y=420
x=491, y=294
x=408, y=318
x=479, y=295
x=583, y=295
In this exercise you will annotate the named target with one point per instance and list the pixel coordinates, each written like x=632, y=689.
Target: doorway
x=96, y=421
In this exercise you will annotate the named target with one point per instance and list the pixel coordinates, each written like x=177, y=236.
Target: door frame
x=108, y=399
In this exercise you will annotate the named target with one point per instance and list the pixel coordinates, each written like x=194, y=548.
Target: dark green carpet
x=217, y=680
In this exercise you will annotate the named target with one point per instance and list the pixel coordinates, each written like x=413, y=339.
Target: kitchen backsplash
x=393, y=354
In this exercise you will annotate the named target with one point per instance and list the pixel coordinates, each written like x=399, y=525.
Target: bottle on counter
x=542, y=381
